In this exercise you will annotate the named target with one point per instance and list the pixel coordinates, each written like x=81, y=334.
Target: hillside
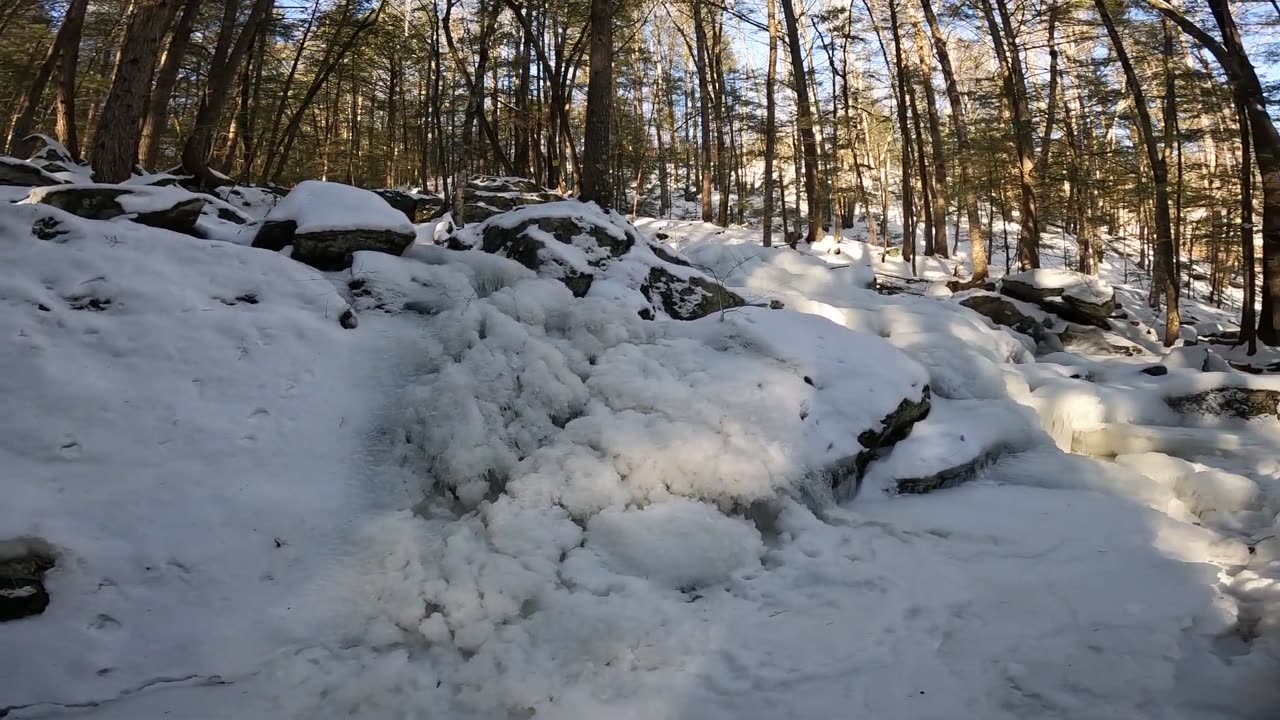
x=323, y=457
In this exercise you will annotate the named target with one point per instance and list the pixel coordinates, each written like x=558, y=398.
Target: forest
x=1138, y=118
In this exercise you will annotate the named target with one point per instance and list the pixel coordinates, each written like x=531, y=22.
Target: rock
x=1090, y=340
x=587, y=246
x=348, y=320
x=416, y=207
x=168, y=208
x=1071, y=295
x=687, y=298
x=1155, y=370
x=22, y=569
x=893, y=428
x=946, y=478
x=20, y=172
x=1006, y=313
x=326, y=223
x=1240, y=402
x=483, y=197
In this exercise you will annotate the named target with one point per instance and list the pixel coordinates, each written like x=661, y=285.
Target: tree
x=770, y=123
x=596, y=179
x=62, y=54
x=119, y=131
x=804, y=118
x=1165, y=274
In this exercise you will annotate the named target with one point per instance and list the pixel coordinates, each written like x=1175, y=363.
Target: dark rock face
x=1243, y=403
x=1003, y=312
x=94, y=202
x=687, y=299
x=17, y=172
x=526, y=243
x=330, y=249
x=1066, y=306
x=1155, y=370
x=22, y=591
x=484, y=197
x=417, y=208
x=893, y=428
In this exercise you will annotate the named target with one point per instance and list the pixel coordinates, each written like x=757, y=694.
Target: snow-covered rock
x=23, y=564
x=1242, y=402
x=579, y=244
x=1216, y=491
x=163, y=207
x=1071, y=295
x=327, y=223
x=417, y=207
x=485, y=196
x=25, y=174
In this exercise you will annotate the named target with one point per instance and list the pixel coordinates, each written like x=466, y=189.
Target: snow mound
x=1066, y=282
x=173, y=434
x=317, y=206
x=675, y=544
x=1216, y=491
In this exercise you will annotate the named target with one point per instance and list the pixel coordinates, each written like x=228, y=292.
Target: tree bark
x=804, y=118
x=1166, y=274
x=66, y=40
x=770, y=123
x=115, y=142
x=597, y=183
x=157, y=120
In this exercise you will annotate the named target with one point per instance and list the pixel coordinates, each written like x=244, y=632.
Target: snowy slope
x=494, y=500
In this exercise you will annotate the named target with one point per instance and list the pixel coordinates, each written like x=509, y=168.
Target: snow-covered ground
x=492, y=499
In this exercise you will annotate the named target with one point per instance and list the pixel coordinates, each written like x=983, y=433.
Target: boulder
x=689, y=297
x=568, y=247
x=22, y=569
x=168, y=208
x=326, y=223
x=415, y=206
x=1196, y=357
x=1245, y=403
x=1006, y=312
x=1071, y=295
x=483, y=197
x=22, y=173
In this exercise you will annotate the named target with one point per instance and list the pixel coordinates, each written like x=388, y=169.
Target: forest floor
x=233, y=485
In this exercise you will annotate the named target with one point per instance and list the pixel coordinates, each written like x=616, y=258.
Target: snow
x=1073, y=284
x=493, y=499
x=318, y=206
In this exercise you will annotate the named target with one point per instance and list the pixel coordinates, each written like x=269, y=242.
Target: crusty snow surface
x=494, y=500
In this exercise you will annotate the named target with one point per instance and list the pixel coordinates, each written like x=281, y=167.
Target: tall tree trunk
x=115, y=142
x=1248, y=307
x=68, y=63
x=1009, y=59
x=804, y=118
x=938, y=190
x=157, y=120
x=66, y=40
x=904, y=130
x=704, y=104
x=597, y=184
x=1160, y=177
x=770, y=122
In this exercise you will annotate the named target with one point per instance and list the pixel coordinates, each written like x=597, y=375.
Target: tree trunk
x=596, y=181
x=115, y=142
x=938, y=190
x=1160, y=177
x=1248, y=307
x=66, y=40
x=68, y=63
x=804, y=118
x=195, y=152
x=157, y=120
x=904, y=129
x=1009, y=59
x=704, y=105
x=770, y=122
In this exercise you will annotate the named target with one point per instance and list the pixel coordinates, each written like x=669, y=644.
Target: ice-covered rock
x=1013, y=314
x=1093, y=340
x=327, y=223
x=163, y=207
